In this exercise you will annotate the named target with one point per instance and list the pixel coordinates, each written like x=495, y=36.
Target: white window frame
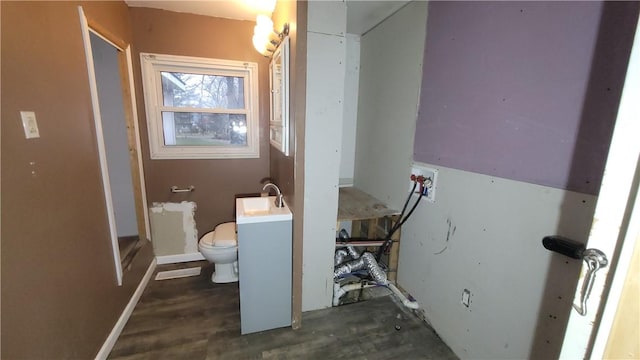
x=153, y=64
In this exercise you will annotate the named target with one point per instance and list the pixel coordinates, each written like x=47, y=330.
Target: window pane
x=202, y=91
x=204, y=129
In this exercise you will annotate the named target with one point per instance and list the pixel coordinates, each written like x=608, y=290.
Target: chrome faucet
x=279, y=202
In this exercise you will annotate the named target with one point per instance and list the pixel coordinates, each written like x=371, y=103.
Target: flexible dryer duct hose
x=348, y=268
x=340, y=256
x=374, y=269
x=345, y=253
x=353, y=252
x=368, y=261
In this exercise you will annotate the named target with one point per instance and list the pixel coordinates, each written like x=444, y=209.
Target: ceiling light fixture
x=262, y=6
x=265, y=39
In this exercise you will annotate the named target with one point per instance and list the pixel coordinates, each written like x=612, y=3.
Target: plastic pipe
x=339, y=291
x=411, y=304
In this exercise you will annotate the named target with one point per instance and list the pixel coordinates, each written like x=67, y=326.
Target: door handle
x=564, y=246
x=595, y=260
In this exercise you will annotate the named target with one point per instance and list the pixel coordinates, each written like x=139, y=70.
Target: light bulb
x=260, y=44
x=264, y=25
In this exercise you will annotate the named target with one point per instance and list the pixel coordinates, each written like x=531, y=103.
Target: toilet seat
x=223, y=236
x=220, y=247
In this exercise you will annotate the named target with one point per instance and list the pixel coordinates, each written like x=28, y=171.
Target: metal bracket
x=175, y=189
x=595, y=260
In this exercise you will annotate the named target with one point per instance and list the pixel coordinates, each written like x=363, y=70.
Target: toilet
x=220, y=247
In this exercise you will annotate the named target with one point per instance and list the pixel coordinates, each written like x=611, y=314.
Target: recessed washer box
x=431, y=174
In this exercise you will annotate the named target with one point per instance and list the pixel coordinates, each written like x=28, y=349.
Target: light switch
x=29, y=124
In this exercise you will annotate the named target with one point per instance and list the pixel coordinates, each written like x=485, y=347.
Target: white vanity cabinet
x=264, y=263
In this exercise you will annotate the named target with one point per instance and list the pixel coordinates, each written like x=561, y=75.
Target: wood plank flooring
x=191, y=318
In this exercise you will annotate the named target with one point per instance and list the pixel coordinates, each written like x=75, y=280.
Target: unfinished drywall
x=523, y=90
x=483, y=234
x=60, y=297
x=480, y=242
x=350, y=117
x=326, y=51
x=390, y=74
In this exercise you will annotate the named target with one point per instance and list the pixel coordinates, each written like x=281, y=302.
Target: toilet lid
x=223, y=235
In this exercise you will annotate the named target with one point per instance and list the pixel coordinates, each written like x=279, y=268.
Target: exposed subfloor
x=191, y=318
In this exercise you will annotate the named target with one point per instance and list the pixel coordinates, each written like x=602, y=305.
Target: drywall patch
x=173, y=228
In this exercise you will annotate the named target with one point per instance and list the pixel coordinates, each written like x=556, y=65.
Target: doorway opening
x=112, y=94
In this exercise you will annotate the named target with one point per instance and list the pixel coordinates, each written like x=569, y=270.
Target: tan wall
x=59, y=293
x=288, y=172
x=282, y=167
x=216, y=181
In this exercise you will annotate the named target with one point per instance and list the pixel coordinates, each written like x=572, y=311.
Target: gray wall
x=388, y=103
x=523, y=90
x=326, y=51
x=483, y=234
x=350, y=118
x=114, y=129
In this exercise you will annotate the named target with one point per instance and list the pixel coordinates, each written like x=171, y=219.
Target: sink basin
x=257, y=205
x=260, y=209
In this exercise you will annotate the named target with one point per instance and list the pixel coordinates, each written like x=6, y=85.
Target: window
x=200, y=108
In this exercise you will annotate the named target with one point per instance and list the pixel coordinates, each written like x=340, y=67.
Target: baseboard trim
x=172, y=259
x=126, y=313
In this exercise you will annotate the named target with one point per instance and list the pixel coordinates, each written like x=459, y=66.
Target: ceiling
x=230, y=9
x=361, y=15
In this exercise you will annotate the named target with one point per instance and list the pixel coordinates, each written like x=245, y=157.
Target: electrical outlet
x=431, y=180
x=466, y=298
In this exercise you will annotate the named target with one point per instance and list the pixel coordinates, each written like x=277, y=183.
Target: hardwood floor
x=191, y=318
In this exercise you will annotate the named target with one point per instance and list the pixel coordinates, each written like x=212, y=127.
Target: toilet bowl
x=220, y=247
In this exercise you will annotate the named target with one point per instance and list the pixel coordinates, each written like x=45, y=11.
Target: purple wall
x=524, y=90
